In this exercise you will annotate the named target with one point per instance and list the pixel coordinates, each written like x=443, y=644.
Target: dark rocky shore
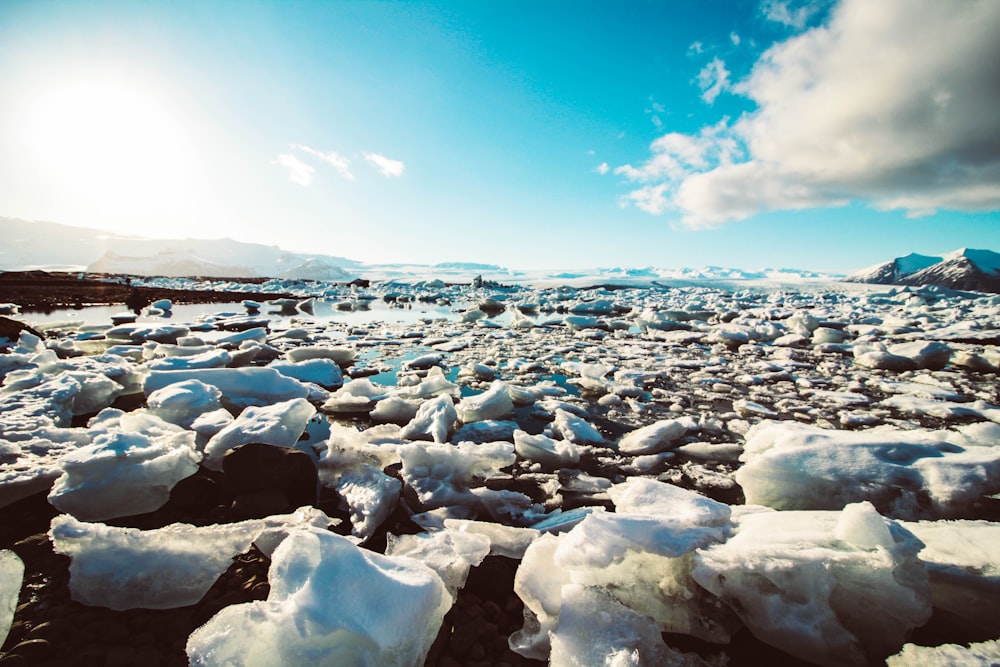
x=46, y=291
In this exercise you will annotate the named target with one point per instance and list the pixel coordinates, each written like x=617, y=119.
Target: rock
x=255, y=468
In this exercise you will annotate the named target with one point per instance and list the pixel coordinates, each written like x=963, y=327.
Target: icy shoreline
x=605, y=439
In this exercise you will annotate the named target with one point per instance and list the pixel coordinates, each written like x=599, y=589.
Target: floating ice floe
x=240, y=387
x=183, y=402
x=360, y=608
x=905, y=474
x=165, y=568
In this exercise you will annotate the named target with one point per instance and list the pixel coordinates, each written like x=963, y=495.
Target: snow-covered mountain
x=46, y=245
x=963, y=269
x=49, y=246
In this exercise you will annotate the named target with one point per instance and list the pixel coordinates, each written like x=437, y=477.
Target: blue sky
x=527, y=134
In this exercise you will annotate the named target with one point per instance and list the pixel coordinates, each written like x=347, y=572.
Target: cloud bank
x=892, y=102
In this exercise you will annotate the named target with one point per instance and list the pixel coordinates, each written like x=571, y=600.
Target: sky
x=557, y=134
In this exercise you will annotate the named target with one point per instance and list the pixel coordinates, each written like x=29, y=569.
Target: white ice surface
x=371, y=496
x=833, y=588
x=240, y=387
x=126, y=469
x=11, y=578
x=982, y=654
x=183, y=402
x=165, y=568
x=450, y=553
x=329, y=604
x=905, y=474
x=280, y=424
x=494, y=403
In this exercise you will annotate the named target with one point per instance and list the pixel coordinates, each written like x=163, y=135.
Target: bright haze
x=823, y=135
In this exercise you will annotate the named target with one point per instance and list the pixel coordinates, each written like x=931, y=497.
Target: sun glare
x=115, y=143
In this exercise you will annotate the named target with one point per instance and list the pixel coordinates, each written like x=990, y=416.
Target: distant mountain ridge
x=964, y=269
x=48, y=245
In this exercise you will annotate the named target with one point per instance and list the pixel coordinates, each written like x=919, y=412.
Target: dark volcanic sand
x=41, y=290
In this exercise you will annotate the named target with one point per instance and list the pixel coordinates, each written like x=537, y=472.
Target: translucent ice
x=435, y=420
x=371, y=496
x=123, y=473
x=545, y=450
x=182, y=403
x=494, y=403
x=173, y=566
x=450, y=553
x=280, y=424
x=905, y=474
x=11, y=577
x=443, y=474
x=330, y=603
x=834, y=588
x=651, y=439
x=240, y=387
x=963, y=561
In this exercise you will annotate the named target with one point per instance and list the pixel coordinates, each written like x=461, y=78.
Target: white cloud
x=602, y=168
x=734, y=38
x=892, y=102
x=332, y=158
x=386, y=166
x=695, y=48
x=298, y=171
x=713, y=79
x=792, y=13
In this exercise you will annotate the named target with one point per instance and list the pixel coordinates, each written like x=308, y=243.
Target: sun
x=113, y=141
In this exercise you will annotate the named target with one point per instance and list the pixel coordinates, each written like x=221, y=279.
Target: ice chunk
x=488, y=430
x=240, y=387
x=11, y=577
x=651, y=439
x=349, y=449
x=905, y=474
x=833, y=588
x=330, y=603
x=595, y=629
x=47, y=404
x=983, y=654
x=577, y=430
x=643, y=560
x=182, y=403
x=356, y=396
x=371, y=496
x=494, y=403
x=963, y=561
x=433, y=384
x=442, y=474
x=450, y=553
x=165, y=568
x=342, y=356
x=212, y=358
x=435, y=420
x=545, y=450
x=29, y=461
x=324, y=372
x=508, y=541
x=281, y=425
x=395, y=410
x=123, y=473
